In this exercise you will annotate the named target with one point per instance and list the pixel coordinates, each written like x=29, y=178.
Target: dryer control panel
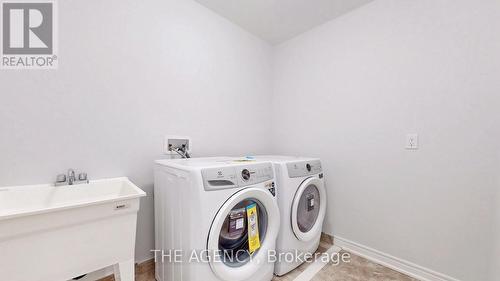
x=236, y=176
x=304, y=168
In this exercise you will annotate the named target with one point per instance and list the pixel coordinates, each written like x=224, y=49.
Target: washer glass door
x=233, y=237
x=248, y=213
x=308, y=209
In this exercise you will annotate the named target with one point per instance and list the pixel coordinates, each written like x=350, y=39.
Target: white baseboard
x=403, y=266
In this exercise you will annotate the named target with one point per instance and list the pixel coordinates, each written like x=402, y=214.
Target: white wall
x=350, y=90
x=129, y=72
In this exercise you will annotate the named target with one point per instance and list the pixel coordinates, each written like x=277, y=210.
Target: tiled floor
x=143, y=272
x=358, y=269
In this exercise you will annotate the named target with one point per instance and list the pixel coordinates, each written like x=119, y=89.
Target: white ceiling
x=279, y=20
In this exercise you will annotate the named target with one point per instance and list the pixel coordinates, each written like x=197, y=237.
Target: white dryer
x=301, y=195
x=203, y=208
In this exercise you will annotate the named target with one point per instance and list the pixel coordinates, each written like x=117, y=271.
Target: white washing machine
x=301, y=195
x=214, y=208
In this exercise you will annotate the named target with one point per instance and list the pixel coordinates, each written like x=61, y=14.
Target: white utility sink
x=57, y=233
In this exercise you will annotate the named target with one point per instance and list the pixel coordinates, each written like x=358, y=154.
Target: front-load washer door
x=308, y=209
x=232, y=236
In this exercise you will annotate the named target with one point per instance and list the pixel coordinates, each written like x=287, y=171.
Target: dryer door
x=229, y=234
x=308, y=209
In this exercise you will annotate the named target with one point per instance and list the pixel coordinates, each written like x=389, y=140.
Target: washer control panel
x=304, y=168
x=245, y=174
x=219, y=178
x=236, y=176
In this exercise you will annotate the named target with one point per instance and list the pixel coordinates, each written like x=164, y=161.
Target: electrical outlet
x=172, y=142
x=412, y=141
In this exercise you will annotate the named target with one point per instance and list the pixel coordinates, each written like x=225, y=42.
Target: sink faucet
x=71, y=179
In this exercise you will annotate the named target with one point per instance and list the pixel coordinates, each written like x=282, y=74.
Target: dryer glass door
x=308, y=209
x=248, y=214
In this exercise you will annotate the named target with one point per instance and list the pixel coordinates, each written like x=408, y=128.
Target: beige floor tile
x=358, y=269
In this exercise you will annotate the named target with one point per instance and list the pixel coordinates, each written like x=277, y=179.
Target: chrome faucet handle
x=82, y=177
x=61, y=178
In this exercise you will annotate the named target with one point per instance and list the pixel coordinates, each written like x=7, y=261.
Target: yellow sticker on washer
x=253, y=228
